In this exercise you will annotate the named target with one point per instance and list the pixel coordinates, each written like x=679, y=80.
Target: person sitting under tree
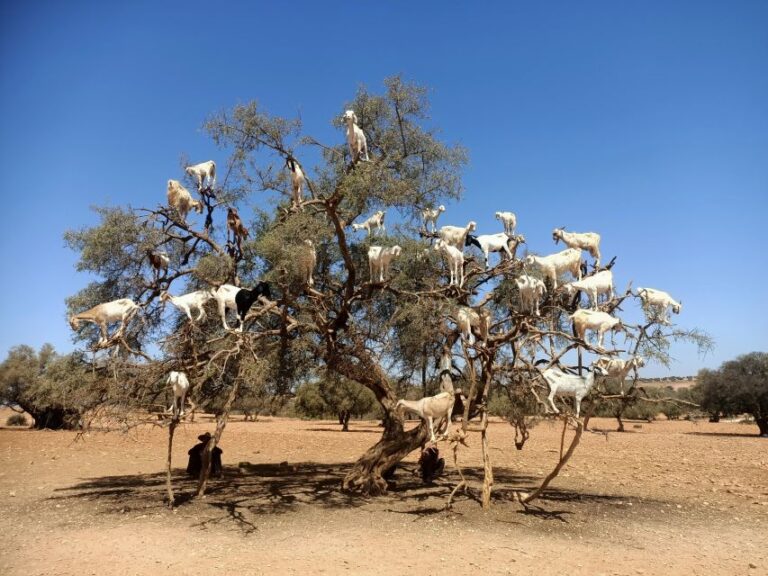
x=196, y=457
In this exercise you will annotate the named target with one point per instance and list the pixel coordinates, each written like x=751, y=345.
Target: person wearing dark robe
x=431, y=464
x=196, y=457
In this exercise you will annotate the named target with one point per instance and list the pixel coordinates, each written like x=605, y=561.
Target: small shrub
x=16, y=420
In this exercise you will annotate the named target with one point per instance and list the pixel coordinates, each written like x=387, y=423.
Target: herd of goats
x=451, y=242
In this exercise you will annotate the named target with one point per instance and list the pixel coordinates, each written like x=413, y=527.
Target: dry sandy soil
x=663, y=498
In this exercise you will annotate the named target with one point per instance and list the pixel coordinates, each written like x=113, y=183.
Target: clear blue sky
x=644, y=121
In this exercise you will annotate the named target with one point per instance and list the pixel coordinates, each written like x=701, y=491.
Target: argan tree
x=739, y=386
x=377, y=334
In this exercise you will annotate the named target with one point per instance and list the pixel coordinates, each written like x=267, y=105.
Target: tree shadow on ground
x=249, y=491
x=338, y=430
x=727, y=434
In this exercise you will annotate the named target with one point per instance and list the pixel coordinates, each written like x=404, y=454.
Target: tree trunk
x=168, y=483
x=621, y=423
x=366, y=475
x=344, y=417
x=762, y=424
x=205, y=470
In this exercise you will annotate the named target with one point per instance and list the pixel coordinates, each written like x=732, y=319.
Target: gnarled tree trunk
x=367, y=474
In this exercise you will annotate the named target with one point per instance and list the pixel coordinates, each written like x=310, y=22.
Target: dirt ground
x=662, y=498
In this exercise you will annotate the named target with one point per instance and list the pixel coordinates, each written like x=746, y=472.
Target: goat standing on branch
x=180, y=199
x=231, y=297
x=568, y=260
x=430, y=408
x=159, y=262
x=455, y=260
x=455, y=235
x=379, y=260
x=203, y=173
x=570, y=384
x=104, y=314
x=307, y=263
x=245, y=298
x=468, y=318
x=618, y=368
x=297, y=181
x=235, y=225
x=494, y=243
x=187, y=303
x=430, y=215
x=532, y=290
x=589, y=241
x=374, y=221
x=180, y=385
x=509, y=220
x=358, y=145
x=599, y=322
x=600, y=283
x=656, y=302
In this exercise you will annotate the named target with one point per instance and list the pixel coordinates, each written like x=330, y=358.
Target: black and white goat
x=231, y=297
x=500, y=243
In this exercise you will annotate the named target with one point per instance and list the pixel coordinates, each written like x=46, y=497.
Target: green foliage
x=738, y=386
x=332, y=395
x=54, y=389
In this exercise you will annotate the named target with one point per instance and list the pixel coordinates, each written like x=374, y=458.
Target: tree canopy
x=385, y=335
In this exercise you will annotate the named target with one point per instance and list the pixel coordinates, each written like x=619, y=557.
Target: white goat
x=187, y=303
x=509, y=220
x=297, y=181
x=569, y=384
x=656, y=302
x=467, y=319
x=492, y=243
x=455, y=259
x=600, y=322
x=180, y=386
x=358, y=145
x=568, y=260
x=428, y=408
x=600, y=283
x=374, y=221
x=532, y=290
x=307, y=262
x=205, y=172
x=225, y=296
x=379, y=260
x=618, y=368
x=455, y=235
x=431, y=215
x=589, y=241
x=104, y=314
x=180, y=198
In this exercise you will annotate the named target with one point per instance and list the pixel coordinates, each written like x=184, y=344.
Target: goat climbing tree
x=376, y=334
